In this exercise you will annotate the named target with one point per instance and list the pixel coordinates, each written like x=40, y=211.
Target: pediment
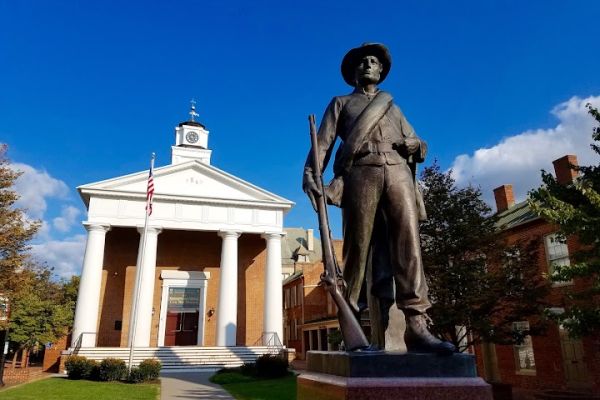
x=190, y=180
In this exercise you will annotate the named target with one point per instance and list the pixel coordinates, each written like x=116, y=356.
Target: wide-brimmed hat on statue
x=353, y=57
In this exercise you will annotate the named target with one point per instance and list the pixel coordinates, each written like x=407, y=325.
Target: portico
x=212, y=255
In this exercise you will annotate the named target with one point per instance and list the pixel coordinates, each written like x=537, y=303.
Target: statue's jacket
x=384, y=145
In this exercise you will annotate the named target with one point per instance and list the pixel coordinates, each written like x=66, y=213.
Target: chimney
x=562, y=168
x=310, y=240
x=504, y=197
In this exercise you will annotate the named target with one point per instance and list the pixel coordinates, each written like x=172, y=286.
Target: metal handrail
x=271, y=341
x=80, y=340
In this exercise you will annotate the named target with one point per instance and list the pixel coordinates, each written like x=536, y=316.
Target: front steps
x=193, y=358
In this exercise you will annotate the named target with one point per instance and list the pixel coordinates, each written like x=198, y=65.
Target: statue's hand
x=412, y=144
x=310, y=187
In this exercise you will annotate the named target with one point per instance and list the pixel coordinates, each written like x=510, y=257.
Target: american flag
x=150, y=190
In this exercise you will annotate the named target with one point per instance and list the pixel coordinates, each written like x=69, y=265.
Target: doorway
x=182, y=316
x=182, y=308
x=576, y=375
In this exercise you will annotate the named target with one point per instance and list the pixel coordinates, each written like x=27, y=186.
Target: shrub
x=94, y=374
x=248, y=369
x=79, y=367
x=150, y=369
x=112, y=369
x=135, y=375
x=271, y=366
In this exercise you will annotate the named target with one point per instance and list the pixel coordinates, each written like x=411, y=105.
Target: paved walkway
x=190, y=385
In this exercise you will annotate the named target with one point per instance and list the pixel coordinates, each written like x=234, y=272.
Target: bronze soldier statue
x=374, y=184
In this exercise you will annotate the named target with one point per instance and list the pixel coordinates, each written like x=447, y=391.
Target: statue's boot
x=418, y=339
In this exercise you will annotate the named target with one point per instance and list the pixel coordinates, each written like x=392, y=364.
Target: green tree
x=478, y=283
x=15, y=232
x=42, y=311
x=575, y=209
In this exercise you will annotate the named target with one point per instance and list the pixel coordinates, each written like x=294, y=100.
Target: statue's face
x=368, y=70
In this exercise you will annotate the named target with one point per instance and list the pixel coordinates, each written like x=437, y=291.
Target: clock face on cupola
x=191, y=137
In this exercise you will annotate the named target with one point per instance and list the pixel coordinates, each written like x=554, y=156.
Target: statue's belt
x=377, y=147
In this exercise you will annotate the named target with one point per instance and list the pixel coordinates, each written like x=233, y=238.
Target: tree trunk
x=14, y=360
x=25, y=358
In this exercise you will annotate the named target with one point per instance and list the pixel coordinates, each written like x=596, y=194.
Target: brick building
x=553, y=360
x=211, y=267
x=310, y=315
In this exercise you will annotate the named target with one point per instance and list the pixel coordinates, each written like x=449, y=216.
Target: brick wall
x=185, y=251
x=547, y=348
x=21, y=375
x=52, y=355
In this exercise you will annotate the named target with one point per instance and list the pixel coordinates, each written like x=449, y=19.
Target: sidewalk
x=190, y=385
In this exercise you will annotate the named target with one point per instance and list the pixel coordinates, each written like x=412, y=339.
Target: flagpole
x=140, y=272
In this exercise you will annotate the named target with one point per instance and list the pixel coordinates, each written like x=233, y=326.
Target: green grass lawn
x=64, y=389
x=243, y=387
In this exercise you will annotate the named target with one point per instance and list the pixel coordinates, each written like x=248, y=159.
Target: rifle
x=331, y=278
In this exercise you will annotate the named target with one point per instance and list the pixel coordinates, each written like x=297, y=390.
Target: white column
x=273, y=307
x=228, y=290
x=145, y=290
x=88, y=297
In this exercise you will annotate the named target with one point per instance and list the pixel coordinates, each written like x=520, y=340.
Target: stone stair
x=179, y=358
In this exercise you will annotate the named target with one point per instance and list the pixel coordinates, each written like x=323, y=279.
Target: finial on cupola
x=193, y=112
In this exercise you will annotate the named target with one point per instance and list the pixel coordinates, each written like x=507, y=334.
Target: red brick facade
x=311, y=316
x=184, y=251
x=560, y=362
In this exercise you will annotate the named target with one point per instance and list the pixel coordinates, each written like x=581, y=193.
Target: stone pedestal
x=385, y=375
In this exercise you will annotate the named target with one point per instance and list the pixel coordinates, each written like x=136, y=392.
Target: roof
x=302, y=251
x=294, y=238
x=516, y=215
x=217, y=186
x=192, y=123
x=292, y=277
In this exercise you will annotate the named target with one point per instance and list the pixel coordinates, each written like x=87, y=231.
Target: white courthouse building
x=211, y=270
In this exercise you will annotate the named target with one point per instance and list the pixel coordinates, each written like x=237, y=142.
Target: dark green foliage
x=271, y=366
x=248, y=369
x=79, y=367
x=112, y=369
x=335, y=338
x=135, y=376
x=575, y=208
x=149, y=369
x=476, y=280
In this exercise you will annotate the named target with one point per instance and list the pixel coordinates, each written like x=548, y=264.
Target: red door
x=181, y=328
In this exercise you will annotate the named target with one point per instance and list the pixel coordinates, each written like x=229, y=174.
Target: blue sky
x=89, y=89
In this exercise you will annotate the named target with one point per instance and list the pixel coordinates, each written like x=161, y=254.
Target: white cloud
x=35, y=186
x=518, y=159
x=67, y=219
x=66, y=256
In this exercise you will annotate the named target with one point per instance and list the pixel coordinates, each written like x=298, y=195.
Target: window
x=524, y=358
x=294, y=329
x=4, y=309
x=293, y=296
x=300, y=293
x=557, y=253
x=286, y=298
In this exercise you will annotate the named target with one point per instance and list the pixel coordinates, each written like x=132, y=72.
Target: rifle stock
x=331, y=279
